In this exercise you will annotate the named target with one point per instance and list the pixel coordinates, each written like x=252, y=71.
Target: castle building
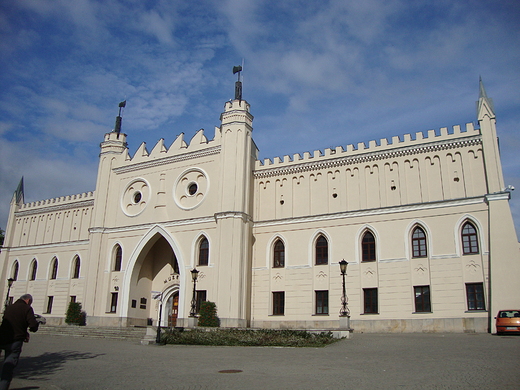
x=423, y=221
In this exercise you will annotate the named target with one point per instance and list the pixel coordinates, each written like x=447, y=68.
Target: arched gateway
x=154, y=281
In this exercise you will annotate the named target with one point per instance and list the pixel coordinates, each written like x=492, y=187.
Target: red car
x=508, y=321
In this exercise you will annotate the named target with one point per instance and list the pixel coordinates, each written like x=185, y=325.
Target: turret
x=487, y=121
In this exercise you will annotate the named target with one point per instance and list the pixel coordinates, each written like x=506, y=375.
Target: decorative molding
x=167, y=160
x=374, y=211
x=298, y=167
x=51, y=209
x=472, y=266
x=46, y=246
x=148, y=226
x=321, y=274
x=233, y=214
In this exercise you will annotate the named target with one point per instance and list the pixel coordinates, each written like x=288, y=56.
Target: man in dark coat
x=13, y=332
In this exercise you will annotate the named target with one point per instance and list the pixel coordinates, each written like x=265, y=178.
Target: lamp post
x=158, y=337
x=9, y=284
x=194, y=275
x=345, y=311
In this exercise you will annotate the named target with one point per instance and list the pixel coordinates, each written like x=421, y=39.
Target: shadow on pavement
x=38, y=367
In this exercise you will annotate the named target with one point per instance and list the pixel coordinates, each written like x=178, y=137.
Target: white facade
x=423, y=221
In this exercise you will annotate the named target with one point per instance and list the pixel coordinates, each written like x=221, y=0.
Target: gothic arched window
x=469, y=239
x=368, y=247
x=76, y=269
x=34, y=269
x=118, y=257
x=322, y=250
x=278, y=254
x=419, y=248
x=54, y=268
x=204, y=251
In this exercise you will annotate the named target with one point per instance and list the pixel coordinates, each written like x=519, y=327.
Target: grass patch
x=248, y=337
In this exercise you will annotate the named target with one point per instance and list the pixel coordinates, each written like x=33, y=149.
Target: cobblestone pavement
x=366, y=361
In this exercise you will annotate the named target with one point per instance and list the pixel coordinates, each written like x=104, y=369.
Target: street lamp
x=9, y=284
x=194, y=275
x=345, y=311
x=158, y=336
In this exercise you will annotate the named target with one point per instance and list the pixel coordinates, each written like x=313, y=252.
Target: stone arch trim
x=408, y=238
x=195, y=249
x=270, y=249
x=480, y=234
x=312, y=248
x=157, y=229
x=359, y=237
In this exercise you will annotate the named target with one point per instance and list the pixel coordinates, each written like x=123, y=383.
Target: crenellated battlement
x=178, y=147
x=361, y=148
x=62, y=200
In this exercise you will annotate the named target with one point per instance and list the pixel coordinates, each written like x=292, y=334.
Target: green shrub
x=74, y=315
x=248, y=337
x=208, y=314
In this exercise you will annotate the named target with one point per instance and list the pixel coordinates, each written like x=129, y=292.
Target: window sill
x=476, y=311
x=276, y=315
x=369, y=314
x=321, y=315
x=422, y=312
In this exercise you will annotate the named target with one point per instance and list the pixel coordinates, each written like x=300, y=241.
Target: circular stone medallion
x=135, y=197
x=190, y=188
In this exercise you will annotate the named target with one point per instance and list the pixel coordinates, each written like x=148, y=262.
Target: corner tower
x=234, y=216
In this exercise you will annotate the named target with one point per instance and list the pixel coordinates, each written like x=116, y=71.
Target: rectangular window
x=73, y=298
x=278, y=303
x=134, y=303
x=142, y=304
x=322, y=302
x=475, y=294
x=200, y=296
x=113, y=303
x=370, y=300
x=49, y=305
x=422, y=299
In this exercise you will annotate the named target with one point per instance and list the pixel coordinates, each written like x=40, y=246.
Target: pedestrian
x=13, y=333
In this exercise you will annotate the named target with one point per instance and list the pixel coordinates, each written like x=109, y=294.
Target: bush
x=74, y=315
x=248, y=337
x=208, y=314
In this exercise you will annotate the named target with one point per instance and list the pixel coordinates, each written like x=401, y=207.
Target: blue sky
x=317, y=75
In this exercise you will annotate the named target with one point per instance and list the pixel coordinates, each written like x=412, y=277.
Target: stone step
x=131, y=333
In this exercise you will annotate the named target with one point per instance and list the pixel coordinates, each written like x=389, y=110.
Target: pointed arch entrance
x=153, y=276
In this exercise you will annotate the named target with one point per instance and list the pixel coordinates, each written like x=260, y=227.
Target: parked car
x=508, y=321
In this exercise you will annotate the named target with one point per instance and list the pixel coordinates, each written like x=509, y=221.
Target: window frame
x=419, y=244
x=469, y=240
x=15, y=270
x=54, y=268
x=370, y=301
x=279, y=254
x=368, y=248
x=113, y=302
x=321, y=306
x=278, y=299
x=423, y=303
x=34, y=270
x=203, y=255
x=473, y=298
x=321, y=252
x=76, y=267
x=200, y=296
x=118, y=258
x=50, y=300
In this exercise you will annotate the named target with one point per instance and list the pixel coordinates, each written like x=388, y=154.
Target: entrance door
x=173, y=305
